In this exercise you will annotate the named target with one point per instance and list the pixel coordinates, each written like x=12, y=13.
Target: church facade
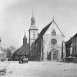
x=49, y=44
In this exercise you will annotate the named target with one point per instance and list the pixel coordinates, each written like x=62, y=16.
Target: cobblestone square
x=40, y=69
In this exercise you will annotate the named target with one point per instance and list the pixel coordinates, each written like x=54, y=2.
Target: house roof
x=45, y=29
x=23, y=50
x=75, y=35
x=69, y=42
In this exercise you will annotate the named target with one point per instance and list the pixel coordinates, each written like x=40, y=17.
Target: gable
x=54, y=27
x=48, y=30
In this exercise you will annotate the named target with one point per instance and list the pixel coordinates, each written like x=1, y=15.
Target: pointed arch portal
x=53, y=55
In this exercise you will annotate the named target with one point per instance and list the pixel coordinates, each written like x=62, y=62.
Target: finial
x=25, y=33
x=53, y=18
x=32, y=13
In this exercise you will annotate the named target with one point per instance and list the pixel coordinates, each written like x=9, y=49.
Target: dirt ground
x=39, y=69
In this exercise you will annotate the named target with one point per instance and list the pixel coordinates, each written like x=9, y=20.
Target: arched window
x=33, y=34
x=53, y=33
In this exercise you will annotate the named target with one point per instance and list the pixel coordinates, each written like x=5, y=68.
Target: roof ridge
x=58, y=28
x=33, y=27
x=43, y=30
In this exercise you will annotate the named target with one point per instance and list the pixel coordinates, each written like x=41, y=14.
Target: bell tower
x=32, y=19
x=24, y=39
x=33, y=33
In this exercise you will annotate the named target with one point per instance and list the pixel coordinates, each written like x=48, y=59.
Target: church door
x=49, y=56
x=55, y=55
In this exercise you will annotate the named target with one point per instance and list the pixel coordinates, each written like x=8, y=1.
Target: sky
x=15, y=18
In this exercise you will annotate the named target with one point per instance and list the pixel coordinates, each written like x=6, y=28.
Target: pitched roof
x=45, y=29
x=75, y=35
x=23, y=50
x=69, y=42
x=33, y=27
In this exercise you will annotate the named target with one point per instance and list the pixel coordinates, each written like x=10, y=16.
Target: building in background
x=23, y=50
x=10, y=52
x=3, y=52
x=71, y=46
x=68, y=47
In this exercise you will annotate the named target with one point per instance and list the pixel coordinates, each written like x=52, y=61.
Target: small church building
x=23, y=50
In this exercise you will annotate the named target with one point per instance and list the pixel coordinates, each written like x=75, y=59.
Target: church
x=49, y=44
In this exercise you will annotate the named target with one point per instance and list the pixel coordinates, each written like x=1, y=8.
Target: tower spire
x=32, y=19
x=53, y=18
x=25, y=34
x=24, y=39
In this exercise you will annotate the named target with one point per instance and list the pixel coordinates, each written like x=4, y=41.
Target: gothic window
x=53, y=33
x=34, y=36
